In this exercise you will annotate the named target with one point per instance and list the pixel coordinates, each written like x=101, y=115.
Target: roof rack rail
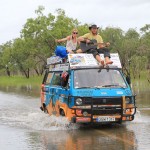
x=78, y=61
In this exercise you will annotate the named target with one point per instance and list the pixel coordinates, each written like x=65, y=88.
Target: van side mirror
x=44, y=89
x=128, y=79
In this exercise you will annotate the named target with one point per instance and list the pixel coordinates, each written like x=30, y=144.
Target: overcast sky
x=116, y=13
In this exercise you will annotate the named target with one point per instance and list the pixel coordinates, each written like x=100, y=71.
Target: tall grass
x=20, y=81
x=35, y=81
x=144, y=75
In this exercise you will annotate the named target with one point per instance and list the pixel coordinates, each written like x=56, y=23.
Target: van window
x=56, y=79
x=92, y=78
x=48, y=78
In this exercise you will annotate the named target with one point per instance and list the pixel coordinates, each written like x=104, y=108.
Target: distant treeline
x=27, y=55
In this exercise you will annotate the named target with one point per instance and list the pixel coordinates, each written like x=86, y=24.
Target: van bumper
x=94, y=110
x=97, y=119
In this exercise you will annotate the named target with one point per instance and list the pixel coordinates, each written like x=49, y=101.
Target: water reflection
x=27, y=90
x=142, y=89
x=104, y=138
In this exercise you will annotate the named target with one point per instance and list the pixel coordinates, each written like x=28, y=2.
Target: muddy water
x=24, y=127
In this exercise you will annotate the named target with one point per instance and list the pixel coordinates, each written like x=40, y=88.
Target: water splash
x=138, y=117
x=36, y=121
x=46, y=122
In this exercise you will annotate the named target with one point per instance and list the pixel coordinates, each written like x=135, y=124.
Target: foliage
x=27, y=55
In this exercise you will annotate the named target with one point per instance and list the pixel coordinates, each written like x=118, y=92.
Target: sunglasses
x=75, y=32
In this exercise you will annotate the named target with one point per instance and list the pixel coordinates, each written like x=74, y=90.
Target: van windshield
x=96, y=78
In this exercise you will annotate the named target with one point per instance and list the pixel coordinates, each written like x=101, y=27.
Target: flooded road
x=24, y=127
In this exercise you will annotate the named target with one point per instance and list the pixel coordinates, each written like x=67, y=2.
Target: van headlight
x=128, y=100
x=78, y=101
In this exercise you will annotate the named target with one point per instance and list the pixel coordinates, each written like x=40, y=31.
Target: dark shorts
x=104, y=51
x=88, y=49
x=95, y=52
x=92, y=51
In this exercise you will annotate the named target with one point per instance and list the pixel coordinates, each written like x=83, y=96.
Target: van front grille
x=102, y=101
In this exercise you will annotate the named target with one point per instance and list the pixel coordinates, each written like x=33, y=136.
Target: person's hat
x=93, y=26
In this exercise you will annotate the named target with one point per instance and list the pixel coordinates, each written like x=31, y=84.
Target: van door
x=45, y=90
x=54, y=93
x=59, y=93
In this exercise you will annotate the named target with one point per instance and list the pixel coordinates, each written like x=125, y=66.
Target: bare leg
x=70, y=51
x=108, y=61
x=79, y=51
x=98, y=58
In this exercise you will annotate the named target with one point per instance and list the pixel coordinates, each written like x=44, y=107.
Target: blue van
x=85, y=92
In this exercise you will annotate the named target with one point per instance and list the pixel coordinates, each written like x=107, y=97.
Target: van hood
x=102, y=92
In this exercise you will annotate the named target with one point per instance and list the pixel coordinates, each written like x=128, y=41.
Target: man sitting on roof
x=99, y=49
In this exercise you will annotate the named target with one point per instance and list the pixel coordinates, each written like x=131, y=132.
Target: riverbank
x=20, y=81
x=35, y=81
x=21, y=85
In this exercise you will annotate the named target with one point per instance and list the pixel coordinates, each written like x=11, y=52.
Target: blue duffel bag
x=61, y=51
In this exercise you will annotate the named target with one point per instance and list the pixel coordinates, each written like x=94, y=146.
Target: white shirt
x=70, y=45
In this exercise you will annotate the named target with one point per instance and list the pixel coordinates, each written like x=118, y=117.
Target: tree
x=21, y=56
x=5, y=57
x=28, y=54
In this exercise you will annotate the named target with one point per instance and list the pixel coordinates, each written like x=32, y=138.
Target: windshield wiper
x=85, y=87
x=109, y=85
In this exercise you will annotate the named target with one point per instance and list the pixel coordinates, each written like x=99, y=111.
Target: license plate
x=105, y=119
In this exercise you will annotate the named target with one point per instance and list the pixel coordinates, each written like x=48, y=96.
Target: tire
x=62, y=113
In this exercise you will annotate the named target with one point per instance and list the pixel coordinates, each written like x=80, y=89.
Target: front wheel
x=62, y=113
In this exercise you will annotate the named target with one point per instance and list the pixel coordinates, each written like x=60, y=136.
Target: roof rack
x=59, y=67
x=78, y=61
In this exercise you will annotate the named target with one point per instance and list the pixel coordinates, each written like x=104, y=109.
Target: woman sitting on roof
x=72, y=41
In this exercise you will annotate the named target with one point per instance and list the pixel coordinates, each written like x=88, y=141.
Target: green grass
x=20, y=81
x=35, y=81
x=143, y=76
